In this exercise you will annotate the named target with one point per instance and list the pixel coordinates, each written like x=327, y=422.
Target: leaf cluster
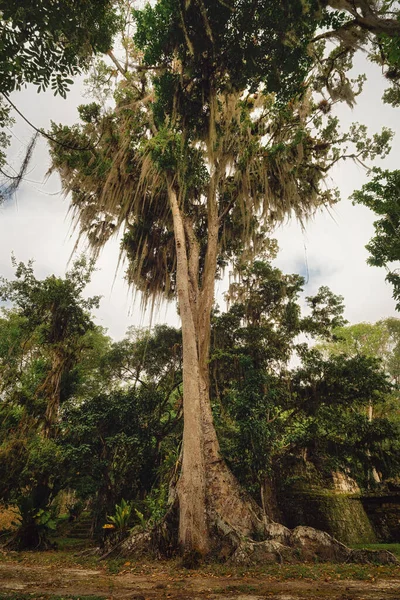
x=47, y=43
x=381, y=195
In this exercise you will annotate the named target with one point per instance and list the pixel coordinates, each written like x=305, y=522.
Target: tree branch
x=116, y=62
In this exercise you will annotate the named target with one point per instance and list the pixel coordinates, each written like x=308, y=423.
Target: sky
x=35, y=224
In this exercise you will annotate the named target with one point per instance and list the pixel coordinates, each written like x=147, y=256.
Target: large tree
x=214, y=138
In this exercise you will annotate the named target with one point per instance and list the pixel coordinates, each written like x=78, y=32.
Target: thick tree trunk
x=208, y=493
x=193, y=531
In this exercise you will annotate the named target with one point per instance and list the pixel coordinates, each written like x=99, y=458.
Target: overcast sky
x=36, y=225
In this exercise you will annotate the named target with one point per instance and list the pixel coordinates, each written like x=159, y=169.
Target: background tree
x=149, y=358
x=55, y=312
x=278, y=423
x=378, y=340
x=214, y=138
x=381, y=195
x=42, y=338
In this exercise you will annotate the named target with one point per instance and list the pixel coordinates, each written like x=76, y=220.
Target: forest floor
x=65, y=575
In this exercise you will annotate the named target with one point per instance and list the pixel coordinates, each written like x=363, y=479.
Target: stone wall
x=341, y=515
x=384, y=514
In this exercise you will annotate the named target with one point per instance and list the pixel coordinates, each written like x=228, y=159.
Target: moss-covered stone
x=384, y=513
x=341, y=515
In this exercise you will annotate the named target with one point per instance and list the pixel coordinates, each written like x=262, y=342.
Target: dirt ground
x=54, y=575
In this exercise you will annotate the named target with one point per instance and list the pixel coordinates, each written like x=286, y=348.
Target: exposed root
x=280, y=545
x=160, y=540
x=304, y=544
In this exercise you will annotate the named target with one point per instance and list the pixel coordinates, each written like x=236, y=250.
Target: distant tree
x=123, y=441
x=42, y=338
x=380, y=340
x=149, y=358
x=276, y=419
x=55, y=312
x=381, y=195
x=333, y=430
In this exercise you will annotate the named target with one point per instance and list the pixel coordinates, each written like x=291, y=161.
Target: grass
x=115, y=565
x=65, y=544
x=308, y=571
x=67, y=556
x=39, y=596
x=394, y=548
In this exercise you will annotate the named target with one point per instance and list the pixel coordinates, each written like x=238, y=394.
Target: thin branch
x=335, y=32
x=9, y=176
x=46, y=135
x=140, y=68
x=117, y=63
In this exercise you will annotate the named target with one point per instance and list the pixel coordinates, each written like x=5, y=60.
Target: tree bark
x=52, y=389
x=368, y=19
x=193, y=532
x=207, y=491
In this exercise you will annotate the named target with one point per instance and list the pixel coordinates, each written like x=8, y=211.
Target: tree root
x=160, y=540
x=280, y=545
x=304, y=544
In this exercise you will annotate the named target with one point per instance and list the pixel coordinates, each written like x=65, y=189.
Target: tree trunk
x=52, y=388
x=207, y=491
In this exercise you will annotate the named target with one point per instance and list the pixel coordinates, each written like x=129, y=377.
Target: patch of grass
x=309, y=571
x=114, y=565
x=66, y=543
x=394, y=548
x=241, y=587
x=52, y=558
x=40, y=596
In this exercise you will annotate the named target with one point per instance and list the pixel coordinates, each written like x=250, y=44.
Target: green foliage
x=379, y=340
x=115, y=443
x=47, y=333
x=381, y=195
x=42, y=337
x=252, y=42
x=152, y=357
x=156, y=503
x=273, y=419
x=48, y=43
x=34, y=525
x=389, y=55
x=121, y=517
x=333, y=396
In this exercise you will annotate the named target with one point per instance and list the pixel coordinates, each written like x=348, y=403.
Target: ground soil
x=64, y=574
